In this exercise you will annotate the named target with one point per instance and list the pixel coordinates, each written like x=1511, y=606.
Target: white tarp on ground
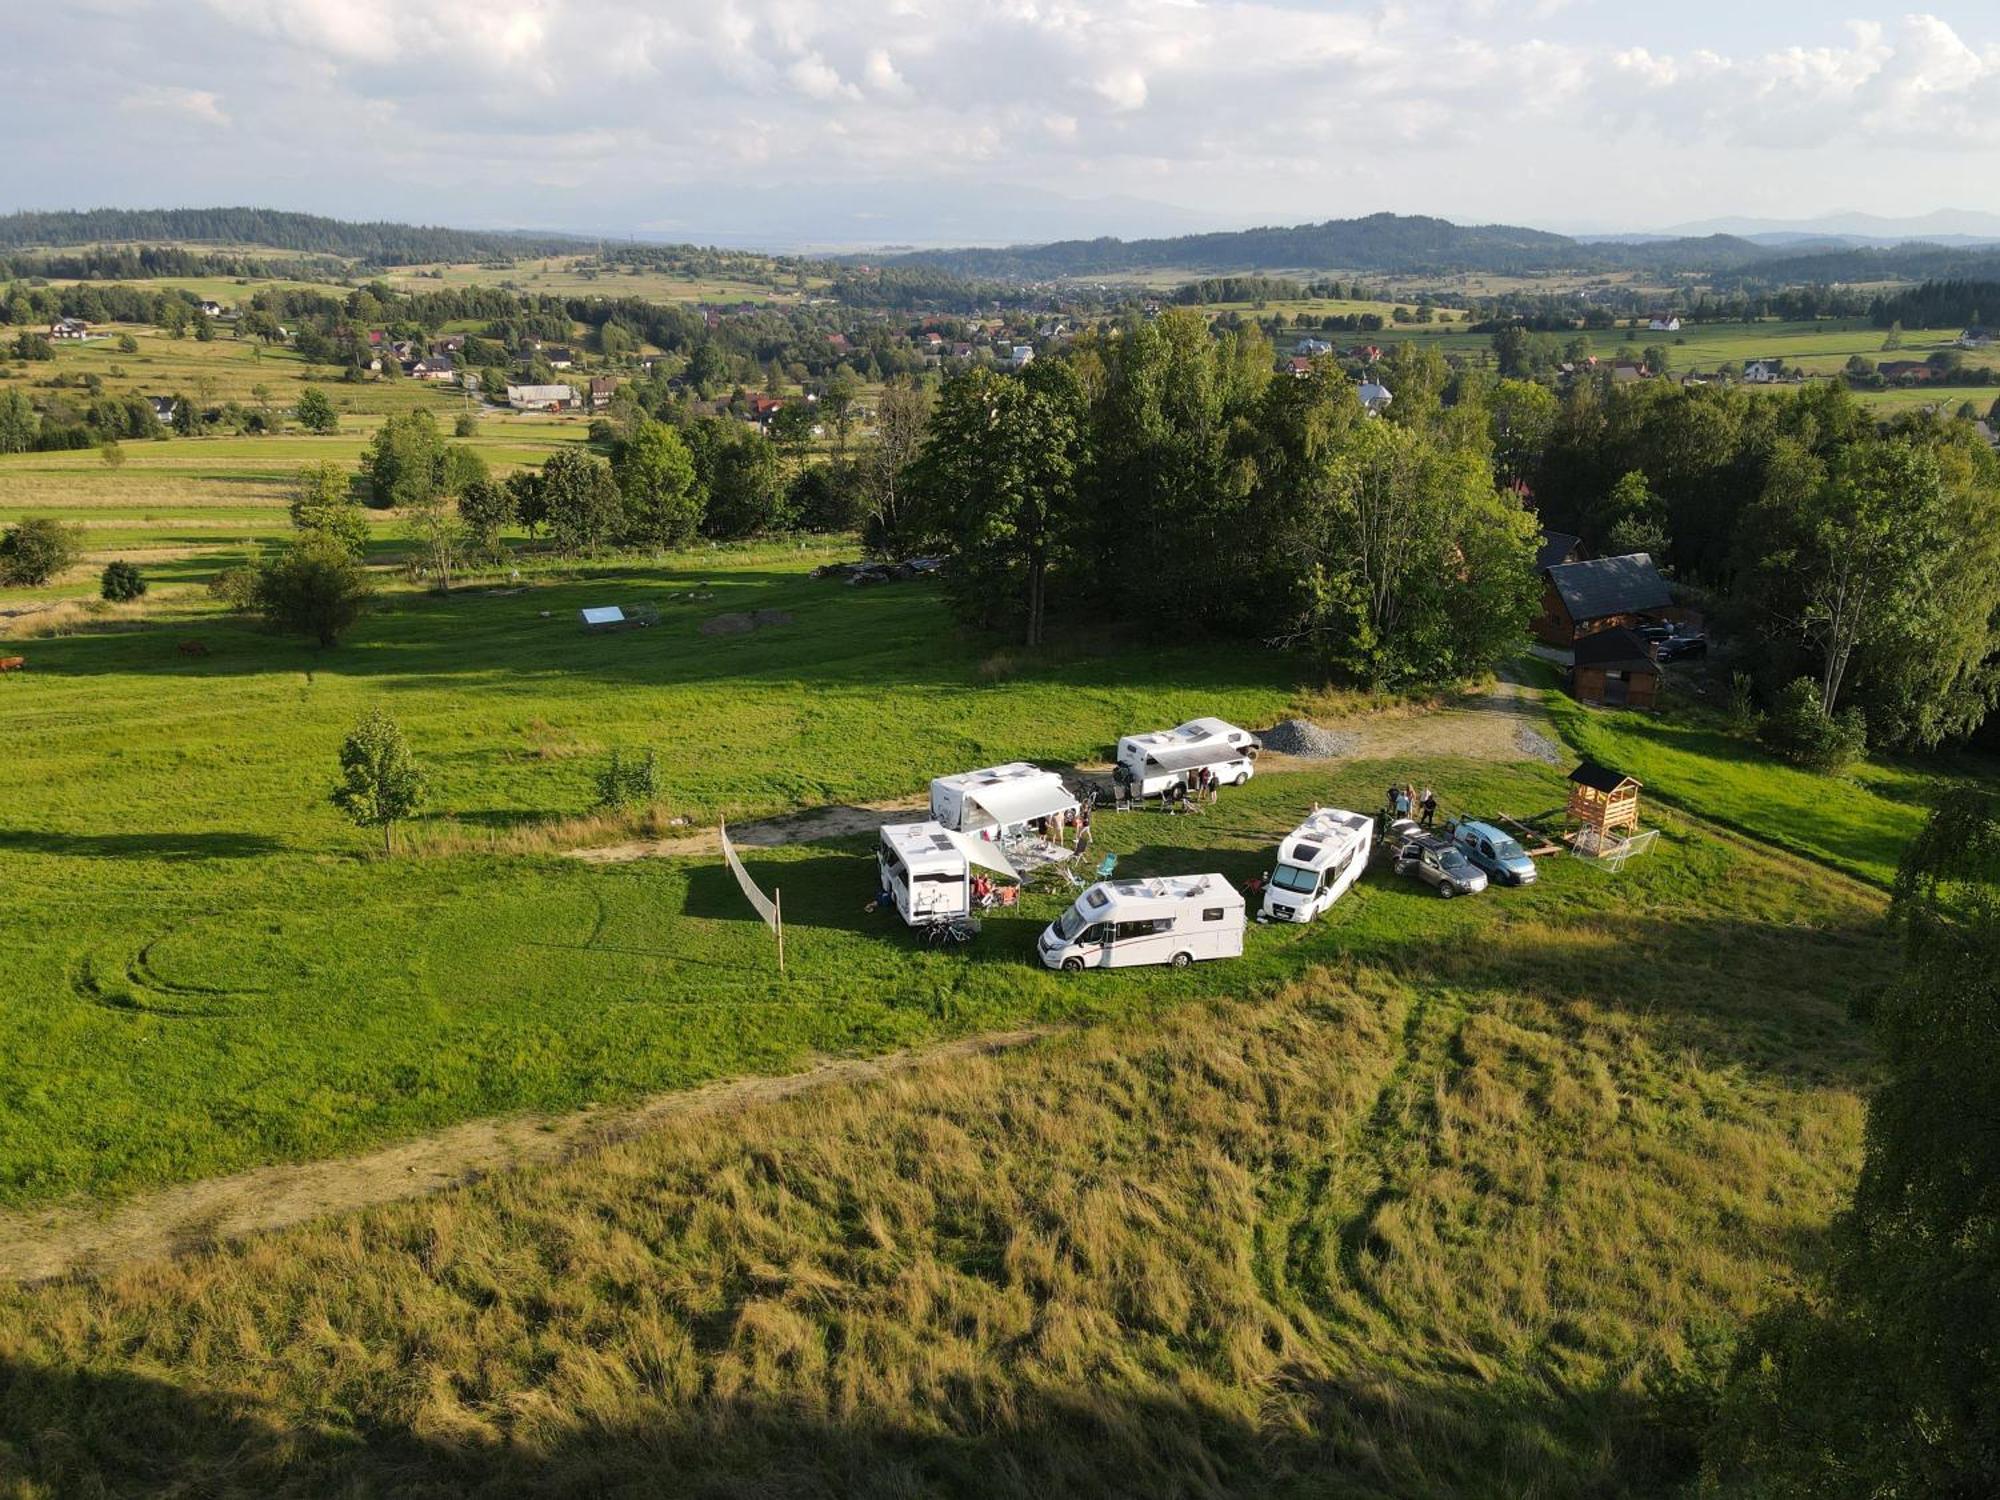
x=609, y=614
x=765, y=907
x=985, y=855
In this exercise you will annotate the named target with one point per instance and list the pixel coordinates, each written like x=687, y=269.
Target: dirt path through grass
x=39, y=1243
x=1503, y=724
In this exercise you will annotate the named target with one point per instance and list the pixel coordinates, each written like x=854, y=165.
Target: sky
x=940, y=121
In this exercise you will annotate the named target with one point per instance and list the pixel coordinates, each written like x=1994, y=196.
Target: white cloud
x=1254, y=108
x=201, y=105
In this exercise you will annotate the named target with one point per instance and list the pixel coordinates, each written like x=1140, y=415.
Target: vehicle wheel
x=1242, y=780
x=1446, y=892
x=1182, y=960
x=1072, y=966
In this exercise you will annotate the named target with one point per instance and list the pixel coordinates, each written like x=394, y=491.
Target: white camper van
x=1317, y=862
x=1172, y=919
x=928, y=869
x=999, y=801
x=1150, y=763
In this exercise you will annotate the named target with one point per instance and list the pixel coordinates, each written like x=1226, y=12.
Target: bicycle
x=949, y=931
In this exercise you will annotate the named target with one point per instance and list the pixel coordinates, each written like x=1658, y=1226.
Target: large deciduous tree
x=581, y=502
x=663, y=498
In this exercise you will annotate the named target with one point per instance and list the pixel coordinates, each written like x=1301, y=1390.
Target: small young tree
x=314, y=588
x=381, y=783
x=323, y=502
x=315, y=410
x=121, y=582
x=36, y=549
x=112, y=452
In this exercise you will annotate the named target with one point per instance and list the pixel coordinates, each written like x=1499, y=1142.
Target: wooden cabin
x=1605, y=593
x=1615, y=669
x=1603, y=800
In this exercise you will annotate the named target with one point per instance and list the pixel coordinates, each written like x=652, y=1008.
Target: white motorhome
x=1000, y=801
x=927, y=869
x=1317, y=864
x=1150, y=763
x=1171, y=919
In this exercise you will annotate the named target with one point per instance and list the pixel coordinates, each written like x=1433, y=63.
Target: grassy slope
x=1859, y=823
x=1450, y=1216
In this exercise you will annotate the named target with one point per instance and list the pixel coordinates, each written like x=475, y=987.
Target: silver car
x=1440, y=864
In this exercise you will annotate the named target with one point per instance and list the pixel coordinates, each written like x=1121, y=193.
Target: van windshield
x=1069, y=924
x=1292, y=878
x=1506, y=848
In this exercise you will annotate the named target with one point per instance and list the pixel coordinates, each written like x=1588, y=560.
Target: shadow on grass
x=1350, y=1432
x=139, y=845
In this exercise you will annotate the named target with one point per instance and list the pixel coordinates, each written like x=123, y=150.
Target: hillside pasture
x=210, y=971
x=582, y=276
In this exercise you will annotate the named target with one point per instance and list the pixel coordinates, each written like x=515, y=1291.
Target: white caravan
x=999, y=801
x=928, y=870
x=1150, y=763
x=1172, y=919
x=1317, y=862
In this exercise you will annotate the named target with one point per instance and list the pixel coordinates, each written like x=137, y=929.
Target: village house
x=1300, y=365
x=602, y=387
x=1312, y=348
x=838, y=343
x=961, y=350
x=213, y=309
x=1605, y=593
x=69, y=328
x=541, y=397
x=760, y=409
x=1375, y=397
x=1615, y=669
x=448, y=343
x=1020, y=356
x=1664, y=323
x=1762, y=371
x=559, y=356
x=1975, y=338
x=1909, y=371
x=1556, y=548
x=164, y=408
x=1625, y=373
x=438, y=367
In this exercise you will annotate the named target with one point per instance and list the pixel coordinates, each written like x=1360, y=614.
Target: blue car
x=1494, y=852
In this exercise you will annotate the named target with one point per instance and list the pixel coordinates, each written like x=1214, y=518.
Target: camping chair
x=1106, y=865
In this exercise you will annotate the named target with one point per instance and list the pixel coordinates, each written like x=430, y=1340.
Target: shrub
x=624, y=782
x=34, y=551
x=466, y=426
x=235, y=587
x=1798, y=731
x=1744, y=716
x=121, y=582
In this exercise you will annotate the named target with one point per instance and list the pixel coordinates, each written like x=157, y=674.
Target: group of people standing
x=1198, y=788
x=1406, y=801
x=1058, y=827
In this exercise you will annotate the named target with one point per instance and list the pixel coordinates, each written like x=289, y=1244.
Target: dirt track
x=39, y=1243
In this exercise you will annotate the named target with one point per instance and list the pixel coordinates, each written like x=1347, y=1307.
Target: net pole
x=778, y=914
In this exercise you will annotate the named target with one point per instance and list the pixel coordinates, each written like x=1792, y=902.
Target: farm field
x=184, y=509
x=571, y=275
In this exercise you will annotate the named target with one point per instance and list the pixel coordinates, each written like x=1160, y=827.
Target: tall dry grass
x=1367, y=1238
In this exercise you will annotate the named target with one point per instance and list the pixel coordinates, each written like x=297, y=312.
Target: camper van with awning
x=1000, y=801
x=1318, y=862
x=1150, y=763
x=928, y=869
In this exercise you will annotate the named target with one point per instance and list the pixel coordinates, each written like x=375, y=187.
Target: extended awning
x=985, y=855
x=1187, y=757
x=1021, y=801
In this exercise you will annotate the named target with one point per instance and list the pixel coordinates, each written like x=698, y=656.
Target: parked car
x=1653, y=630
x=1503, y=859
x=1440, y=864
x=1674, y=647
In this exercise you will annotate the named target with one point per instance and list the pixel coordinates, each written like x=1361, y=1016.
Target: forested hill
x=378, y=243
x=1380, y=242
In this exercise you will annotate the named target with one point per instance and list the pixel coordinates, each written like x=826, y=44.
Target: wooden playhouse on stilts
x=1604, y=804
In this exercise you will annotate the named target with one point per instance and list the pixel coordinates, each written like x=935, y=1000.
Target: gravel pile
x=1538, y=746
x=1307, y=741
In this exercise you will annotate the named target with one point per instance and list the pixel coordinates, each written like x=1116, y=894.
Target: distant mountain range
x=1402, y=244
x=379, y=243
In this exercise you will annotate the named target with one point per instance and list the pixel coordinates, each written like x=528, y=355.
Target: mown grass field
x=575, y=275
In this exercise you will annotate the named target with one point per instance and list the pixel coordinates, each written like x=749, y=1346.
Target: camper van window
x=1097, y=898
x=1211, y=914
x=1069, y=924
x=891, y=860
x=1291, y=878
x=941, y=878
x=1146, y=928
x=1098, y=933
